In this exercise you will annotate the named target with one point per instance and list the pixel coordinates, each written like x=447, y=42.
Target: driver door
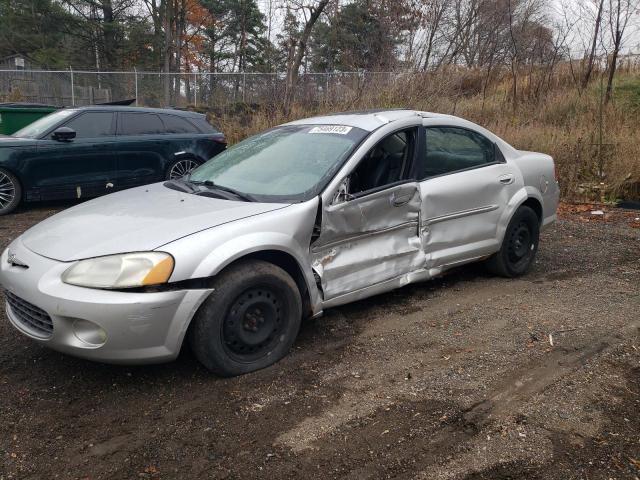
x=82, y=167
x=369, y=232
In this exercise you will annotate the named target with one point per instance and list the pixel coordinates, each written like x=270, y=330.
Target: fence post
x=327, y=87
x=135, y=73
x=73, y=95
x=244, y=86
x=195, y=89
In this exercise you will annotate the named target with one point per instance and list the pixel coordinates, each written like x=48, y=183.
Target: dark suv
x=90, y=151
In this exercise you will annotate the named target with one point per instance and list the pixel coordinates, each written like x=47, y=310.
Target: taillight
x=220, y=140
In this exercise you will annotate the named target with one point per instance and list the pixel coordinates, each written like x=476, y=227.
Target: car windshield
x=40, y=126
x=287, y=163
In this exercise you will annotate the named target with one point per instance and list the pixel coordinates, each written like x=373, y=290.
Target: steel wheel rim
x=182, y=168
x=254, y=324
x=7, y=191
x=521, y=243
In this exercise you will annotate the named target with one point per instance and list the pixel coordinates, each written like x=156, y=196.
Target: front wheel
x=249, y=321
x=10, y=192
x=519, y=245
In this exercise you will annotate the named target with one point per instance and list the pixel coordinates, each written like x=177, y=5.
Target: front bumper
x=133, y=328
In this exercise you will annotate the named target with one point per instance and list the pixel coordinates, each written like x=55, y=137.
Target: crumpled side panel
x=369, y=240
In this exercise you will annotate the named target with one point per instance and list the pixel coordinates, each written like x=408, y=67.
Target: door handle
x=399, y=200
x=506, y=179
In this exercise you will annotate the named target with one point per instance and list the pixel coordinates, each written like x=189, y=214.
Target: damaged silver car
x=306, y=216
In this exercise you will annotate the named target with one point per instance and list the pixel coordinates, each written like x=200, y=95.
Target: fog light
x=89, y=333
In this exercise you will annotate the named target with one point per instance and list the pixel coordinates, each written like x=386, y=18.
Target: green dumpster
x=14, y=116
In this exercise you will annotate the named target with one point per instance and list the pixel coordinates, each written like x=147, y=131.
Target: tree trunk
x=109, y=34
x=592, y=54
x=612, y=67
x=167, y=51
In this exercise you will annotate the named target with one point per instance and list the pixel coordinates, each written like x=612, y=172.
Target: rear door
x=141, y=149
x=82, y=167
x=465, y=185
x=369, y=232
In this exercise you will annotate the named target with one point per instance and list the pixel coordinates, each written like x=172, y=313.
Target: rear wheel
x=181, y=167
x=249, y=321
x=10, y=192
x=519, y=245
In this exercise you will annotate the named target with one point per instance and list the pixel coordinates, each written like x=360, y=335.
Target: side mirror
x=63, y=134
x=342, y=195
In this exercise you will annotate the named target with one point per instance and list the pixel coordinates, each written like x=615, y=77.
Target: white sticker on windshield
x=339, y=129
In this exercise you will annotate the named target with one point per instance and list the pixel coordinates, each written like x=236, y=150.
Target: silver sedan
x=303, y=217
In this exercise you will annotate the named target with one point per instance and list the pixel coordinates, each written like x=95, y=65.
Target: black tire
x=180, y=167
x=249, y=321
x=519, y=245
x=10, y=192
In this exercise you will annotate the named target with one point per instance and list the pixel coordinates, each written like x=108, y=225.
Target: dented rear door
x=461, y=209
x=368, y=240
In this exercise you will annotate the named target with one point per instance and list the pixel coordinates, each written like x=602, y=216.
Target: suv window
x=174, y=124
x=386, y=163
x=450, y=149
x=92, y=124
x=203, y=125
x=140, y=124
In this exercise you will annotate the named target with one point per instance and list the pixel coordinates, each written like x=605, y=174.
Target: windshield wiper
x=241, y=195
x=180, y=184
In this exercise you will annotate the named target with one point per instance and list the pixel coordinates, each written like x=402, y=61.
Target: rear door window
x=140, y=124
x=451, y=149
x=92, y=124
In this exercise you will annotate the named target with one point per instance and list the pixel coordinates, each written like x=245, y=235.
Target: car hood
x=8, y=141
x=139, y=219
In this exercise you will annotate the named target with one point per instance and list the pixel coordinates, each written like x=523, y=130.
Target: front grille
x=32, y=317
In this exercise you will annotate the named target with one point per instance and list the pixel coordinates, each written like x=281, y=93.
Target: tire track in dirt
x=435, y=440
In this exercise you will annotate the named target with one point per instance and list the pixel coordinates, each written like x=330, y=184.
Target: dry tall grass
x=596, y=147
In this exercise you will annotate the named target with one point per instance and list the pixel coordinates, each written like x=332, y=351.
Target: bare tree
x=620, y=13
x=298, y=45
x=432, y=15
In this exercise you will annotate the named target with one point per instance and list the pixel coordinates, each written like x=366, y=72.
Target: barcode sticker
x=339, y=129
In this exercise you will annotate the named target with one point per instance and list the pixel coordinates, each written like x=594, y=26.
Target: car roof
x=368, y=120
x=120, y=108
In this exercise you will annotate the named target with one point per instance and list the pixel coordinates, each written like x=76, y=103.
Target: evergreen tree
x=35, y=29
x=357, y=37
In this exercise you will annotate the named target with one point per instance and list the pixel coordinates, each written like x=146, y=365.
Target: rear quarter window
x=140, y=124
x=203, y=125
x=175, y=124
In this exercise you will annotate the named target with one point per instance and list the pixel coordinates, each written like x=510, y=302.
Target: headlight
x=126, y=270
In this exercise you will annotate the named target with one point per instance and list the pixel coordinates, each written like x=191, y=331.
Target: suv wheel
x=181, y=167
x=519, y=245
x=249, y=321
x=10, y=192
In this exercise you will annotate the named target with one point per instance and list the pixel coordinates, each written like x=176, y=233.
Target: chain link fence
x=213, y=90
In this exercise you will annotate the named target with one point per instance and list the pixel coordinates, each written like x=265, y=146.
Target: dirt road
x=465, y=377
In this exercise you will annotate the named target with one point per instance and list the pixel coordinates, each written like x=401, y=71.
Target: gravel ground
x=464, y=377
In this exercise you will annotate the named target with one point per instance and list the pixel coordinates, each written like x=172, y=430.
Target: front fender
x=287, y=230
x=236, y=248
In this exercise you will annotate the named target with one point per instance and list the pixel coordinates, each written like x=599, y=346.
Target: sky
x=580, y=32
